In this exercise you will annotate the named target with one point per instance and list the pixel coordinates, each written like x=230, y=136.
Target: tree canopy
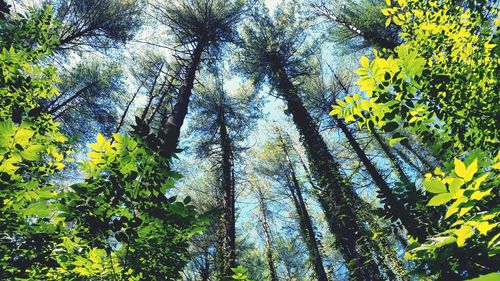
x=249, y=140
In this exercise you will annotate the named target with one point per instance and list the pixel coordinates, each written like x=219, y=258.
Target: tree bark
x=267, y=236
x=338, y=198
x=305, y=222
x=227, y=222
x=396, y=208
x=70, y=99
x=175, y=121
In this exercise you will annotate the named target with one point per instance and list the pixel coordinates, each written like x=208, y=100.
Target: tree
x=96, y=24
x=271, y=51
x=229, y=120
x=295, y=191
x=89, y=94
x=199, y=26
x=86, y=230
x=266, y=230
x=395, y=205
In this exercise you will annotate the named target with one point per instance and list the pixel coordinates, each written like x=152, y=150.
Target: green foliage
x=31, y=148
x=124, y=225
x=118, y=224
x=440, y=85
x=421, y=85
x=240, y=273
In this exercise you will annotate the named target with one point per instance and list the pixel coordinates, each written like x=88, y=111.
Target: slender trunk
x=70, y=99
x=338, y=198
x=176, y=119
x=228, y=231
x=305, y=220
x=122, y=119
x=267, y=236
x=163, y=95
x=397, y=209
x=394, y=160
x=421, y=158
x=408, y=161
x=151, y=95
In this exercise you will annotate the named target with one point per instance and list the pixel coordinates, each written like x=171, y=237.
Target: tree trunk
x=175, y=121
x=227, y=222
x=305, y=222
x=70, y=99
x=396, y=208
x=267, y=236
x=394, y=160
x=337, y=196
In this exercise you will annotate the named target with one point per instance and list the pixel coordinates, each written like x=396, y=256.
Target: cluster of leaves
x=440, y=86
x=471, y=218
x=118, y=223
x=31, y=147
x=240, y=273
x=123, y=225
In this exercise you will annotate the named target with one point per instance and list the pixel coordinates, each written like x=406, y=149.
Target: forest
x=293, y=140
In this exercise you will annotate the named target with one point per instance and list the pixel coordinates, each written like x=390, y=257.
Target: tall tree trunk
x=413, y=197
x=421, y=158
x=304, y=219
x=338, y=198
x=394, y=160
x=267, y=236
x=227, y=222
x=70, y=99
x=122, y=118
x=176, y=119
x=396, y=208
x=205, y=271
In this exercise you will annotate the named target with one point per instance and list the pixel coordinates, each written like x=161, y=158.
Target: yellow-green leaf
x=480, y=180
x=440, y=199
x=100, y=139
x=478, y=195
x=494, y=276
x=365, y=62
x=464, y=233
x=485, y=226
x=460, y=168
x=471, y=170
x=454, y=207
x=435, y=186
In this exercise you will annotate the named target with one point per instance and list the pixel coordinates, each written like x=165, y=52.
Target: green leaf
x=365, y=62
x=23, y=136
x=464, y=233
x=478, y=195
x=435, y=186
x=460, y=168
x=454, y=207
x=440, y=199
x=31, y=152
x=454, y=184
x=394, y=141
x=495, y=276
x=463, y=172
